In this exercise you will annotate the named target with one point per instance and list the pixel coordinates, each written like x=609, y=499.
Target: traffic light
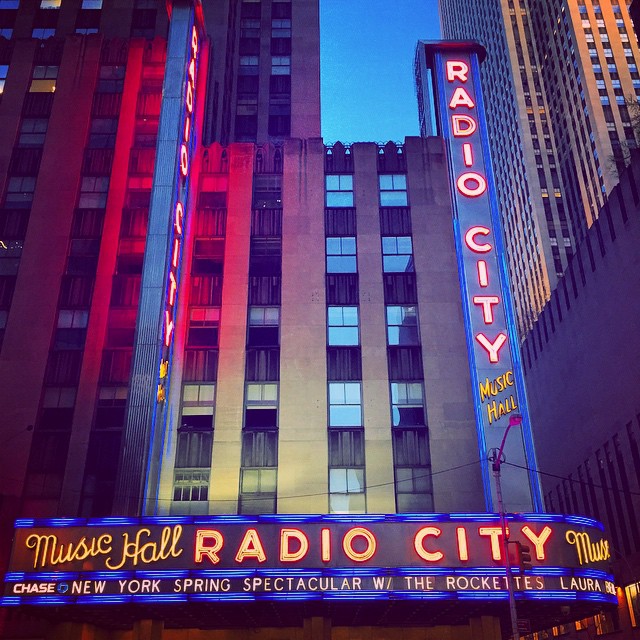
x=524, y=556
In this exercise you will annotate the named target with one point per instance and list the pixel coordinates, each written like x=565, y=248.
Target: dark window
x=265, y=257
x=281, y=10
x=260, y=448
x=344, y=363
x=194, y=448
x=97, y=162
x=210, y=222
x=263, y=365
x=260, y=418
x=106, y=105
x=63, y=368
x=116, y=366
x=200, y=365
x=109, y=418
x=264, y=290
x=87, y=223
x=400, y=288
x=100, y=475
x=25, y=161
x=340, y=222
x=76, y=292
x=7, y=287
x=405, y=363
x=346, y=448
x=125, y=291
x=395, y=221
x=266, y=222
x=13, y=224
x=206, y=291
x=342, y=288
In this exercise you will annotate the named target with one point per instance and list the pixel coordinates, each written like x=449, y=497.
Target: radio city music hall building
x=250, y=382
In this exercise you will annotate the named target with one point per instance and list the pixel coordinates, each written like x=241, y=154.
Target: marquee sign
x=66, y=561
x=496, y=371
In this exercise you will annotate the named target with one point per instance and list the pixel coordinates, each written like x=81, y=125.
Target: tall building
x=557, y=82
x=250, y=383
x=599, y=433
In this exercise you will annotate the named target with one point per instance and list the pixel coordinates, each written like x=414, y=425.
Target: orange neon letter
x=471, y=191
x=418, y=544
x=487, y=303
x=457, y=70
x=251, y=547
x=463, y=550
x=325, y=537
x=461, y=98
x=470, y=239
x=293, y=556
x=208, y=543
x=351, y=553
x=492, y=348
x=494, y=534
x=457, y=120
x=538, y=540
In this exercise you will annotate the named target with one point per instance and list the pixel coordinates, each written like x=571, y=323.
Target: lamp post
x=496, y=457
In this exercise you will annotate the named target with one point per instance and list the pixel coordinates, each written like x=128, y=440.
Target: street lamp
x=496, y=457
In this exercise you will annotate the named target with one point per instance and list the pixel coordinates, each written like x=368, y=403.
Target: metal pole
x=505, y=546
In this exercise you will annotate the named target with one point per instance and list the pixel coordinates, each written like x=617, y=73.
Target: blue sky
x=366, y=61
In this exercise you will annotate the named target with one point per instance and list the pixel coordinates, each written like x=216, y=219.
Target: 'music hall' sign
x=111, y=560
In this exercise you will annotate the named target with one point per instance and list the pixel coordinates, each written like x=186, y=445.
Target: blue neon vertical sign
x=492, y=341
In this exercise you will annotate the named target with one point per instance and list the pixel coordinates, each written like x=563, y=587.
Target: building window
x=264, y=325
x=402, y=325
x=248, y=65
x=346, y=490
x=393, y=190
x=191, y=485
x=346, y=471
x=412, y=471
x=9, y=4
x=345, y=404
x=91, y=4
x=198, y=399
x=342, y=326
x=93, y=192
x=397, y=254
x=4, y=70
x=280, y=28
x=44, y=79
x=102, y=134
x=20, y=191
x=50, y=4
x=339, y=190
x=407, y=404
x=43, y=34
x=281, y=65
x=341, y=255
x=203, y=327
x=265, y=394
x=258, y=476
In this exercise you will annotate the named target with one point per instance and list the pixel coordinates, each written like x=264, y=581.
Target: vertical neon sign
x=185, y=152
x=494, y=358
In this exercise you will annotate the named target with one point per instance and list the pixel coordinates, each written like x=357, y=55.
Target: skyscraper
x=242, y=386
x=557, y=81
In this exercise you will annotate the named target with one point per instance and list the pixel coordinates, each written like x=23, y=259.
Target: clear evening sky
x=366, y=61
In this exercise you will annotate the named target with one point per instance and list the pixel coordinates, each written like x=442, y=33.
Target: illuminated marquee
x=496, y=371
x=229, y=557
x=178, y=213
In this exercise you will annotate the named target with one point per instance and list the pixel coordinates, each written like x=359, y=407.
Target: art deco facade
x=557, y=86
x=211, y=319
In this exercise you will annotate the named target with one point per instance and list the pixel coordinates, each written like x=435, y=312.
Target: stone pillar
x=148, y=630
x=316, y=629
